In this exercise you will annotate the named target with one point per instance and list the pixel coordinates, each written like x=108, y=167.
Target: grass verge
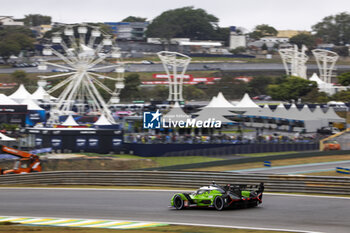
x=328, y=173
x=168, y=229
x=268, y=154
x=281, y=162
x=162, y=161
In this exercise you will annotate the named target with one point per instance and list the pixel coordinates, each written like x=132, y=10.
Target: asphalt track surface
x=303, y=213
x=298, y=169
x=225, y=66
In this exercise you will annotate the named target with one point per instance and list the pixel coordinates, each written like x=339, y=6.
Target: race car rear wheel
x=219, y=203
x=178, y=202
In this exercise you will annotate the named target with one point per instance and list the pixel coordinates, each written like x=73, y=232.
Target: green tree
x=186, y=22
x=341, y=50
x=292, y=88
x=303, y=39
x=314, y=96
x=193, y=93
x=131, y=90
x=344, y=79
x=13, y=40
x=263, y=30
x=341, y=96
x=134, y=19
x=36, y=20
x=230, y=88
x=20, y=76
x=258, y=85
x=8, y=48
x=334, y=29
x=238, y=50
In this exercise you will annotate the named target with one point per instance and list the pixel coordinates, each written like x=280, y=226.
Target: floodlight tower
x=84, y=51
x=326, y=63
x=175, y=65
x=294, y=61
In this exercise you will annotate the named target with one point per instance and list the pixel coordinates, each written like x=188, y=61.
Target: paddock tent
x=4, y=100
x=102, y=120
x=41, y=94
x=214, y=110
x=332, y=116
x=20, y=94
x=176, y=114
x=245, y=103
x=4, y=138
x=70, y=121
x=222, y=102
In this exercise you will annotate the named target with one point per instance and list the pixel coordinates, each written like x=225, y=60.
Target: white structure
x=83, y=56
x=102, y=120
x=70, y=121
x=175, y=65
x=237, y=41
x=153, y=40
x=4, y=138
x=246, y=103
x=41, y=94
x=20, y=94
x=325, y=61
x=31, y=105
x=176, y=114
x=328, y=88
x=9, y=21
x=4, y=100
x=294, y=61
x=275, y=40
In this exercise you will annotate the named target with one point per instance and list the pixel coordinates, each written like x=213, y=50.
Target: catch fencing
x=183, y=179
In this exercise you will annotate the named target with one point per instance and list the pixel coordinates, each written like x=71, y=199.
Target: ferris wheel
x=84, y=50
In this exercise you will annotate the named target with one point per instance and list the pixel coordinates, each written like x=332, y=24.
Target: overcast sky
x=282, y=14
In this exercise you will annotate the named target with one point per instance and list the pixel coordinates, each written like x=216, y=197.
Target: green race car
x=220, y=197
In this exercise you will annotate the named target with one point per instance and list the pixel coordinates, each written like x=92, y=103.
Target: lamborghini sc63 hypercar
x=220, y=197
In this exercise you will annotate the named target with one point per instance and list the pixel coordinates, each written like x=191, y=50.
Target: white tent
x=316, y=79
x=222, y=102
x=102, y=120
x=20, y=94
x=280, y=111
x=3, y=138
x=31, y=105
x=246, y=103
x=292, y=113
x=70, y=121
x=264, y=111
x=332, y=116
x=215, y=110
x=176, y=114
x=318, y=112
x=306, y=113
x=41, y=94
x=4, y=100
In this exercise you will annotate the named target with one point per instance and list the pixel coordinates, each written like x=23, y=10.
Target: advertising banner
x=56, y=142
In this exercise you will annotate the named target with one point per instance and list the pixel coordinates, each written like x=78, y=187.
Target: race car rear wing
x=243, y=187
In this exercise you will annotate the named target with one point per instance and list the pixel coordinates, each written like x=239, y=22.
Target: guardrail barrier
x=183, y=179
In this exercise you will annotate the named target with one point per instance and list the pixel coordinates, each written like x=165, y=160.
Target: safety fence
x=273, y=183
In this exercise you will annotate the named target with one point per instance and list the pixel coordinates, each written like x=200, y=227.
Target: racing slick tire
x=219, y=203
x=178, y=202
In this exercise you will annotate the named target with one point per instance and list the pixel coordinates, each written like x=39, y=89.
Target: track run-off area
x=300, y=213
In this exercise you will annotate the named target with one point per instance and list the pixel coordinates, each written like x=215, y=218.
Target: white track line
x=185, y=224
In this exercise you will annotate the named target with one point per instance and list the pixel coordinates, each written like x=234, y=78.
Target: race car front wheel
x=219, y=203
x=178, y=202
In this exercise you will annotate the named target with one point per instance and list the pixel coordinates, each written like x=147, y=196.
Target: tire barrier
x=182, y=179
